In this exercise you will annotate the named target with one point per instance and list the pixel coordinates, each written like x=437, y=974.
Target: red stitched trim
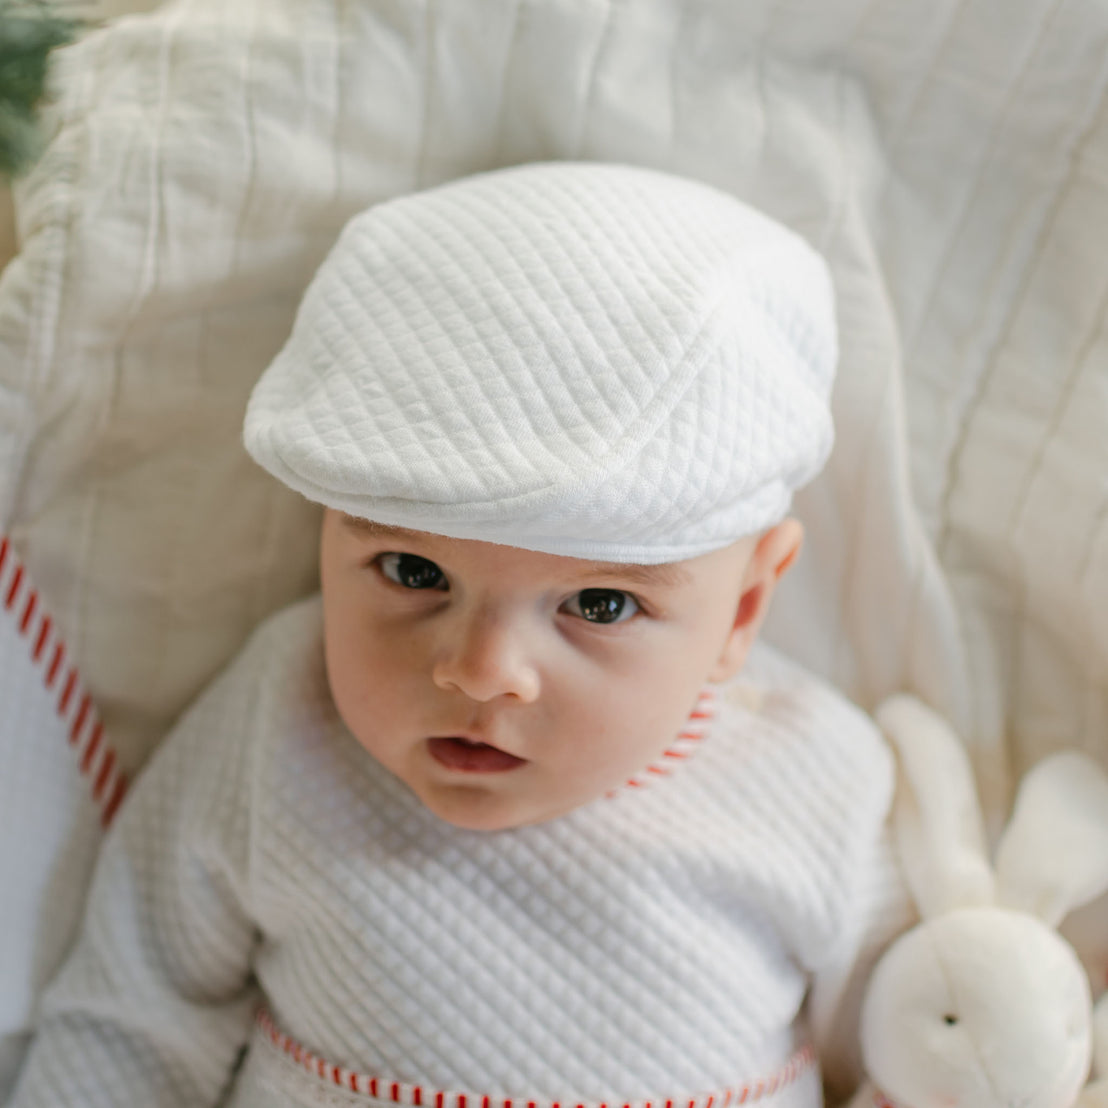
x=102, y=778
x=413, y=1096
x=17, y=579
x=40, y=642
x=96, y=760
x=115, y=795
x=683, y=746
x=55, y=663
x=28, y=611
x=90, y=749
x=67, y=690
x=79, y=721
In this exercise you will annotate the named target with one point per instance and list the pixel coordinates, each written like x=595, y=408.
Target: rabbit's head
x=983, y=1004
x=1100, y=1037
x=1095, y=1094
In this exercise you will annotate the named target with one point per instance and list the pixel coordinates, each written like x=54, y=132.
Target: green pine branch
x=29, y=30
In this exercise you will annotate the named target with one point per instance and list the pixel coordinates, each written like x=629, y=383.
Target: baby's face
x=506, y=687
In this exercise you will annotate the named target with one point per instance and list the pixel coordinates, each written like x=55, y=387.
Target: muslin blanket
x=950, y=159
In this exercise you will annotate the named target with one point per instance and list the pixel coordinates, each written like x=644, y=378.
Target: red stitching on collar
x=683, y=747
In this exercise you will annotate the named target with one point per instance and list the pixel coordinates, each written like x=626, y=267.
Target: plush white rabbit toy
x=983, y=1004
x=1095, y=1094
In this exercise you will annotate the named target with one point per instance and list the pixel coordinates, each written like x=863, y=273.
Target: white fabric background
x=950, y=159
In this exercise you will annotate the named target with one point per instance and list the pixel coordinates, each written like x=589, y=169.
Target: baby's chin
x=473, y=808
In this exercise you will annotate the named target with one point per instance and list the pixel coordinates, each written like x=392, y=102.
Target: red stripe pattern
x=681, y=749
x=416, y=1096
x=96, y=760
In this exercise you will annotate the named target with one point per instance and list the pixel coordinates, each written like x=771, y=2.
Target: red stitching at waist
x=416, y=1096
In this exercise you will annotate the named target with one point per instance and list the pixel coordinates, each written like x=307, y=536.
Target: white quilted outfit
x=655, y=945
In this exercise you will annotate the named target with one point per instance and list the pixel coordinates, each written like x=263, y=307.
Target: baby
x=515, y=813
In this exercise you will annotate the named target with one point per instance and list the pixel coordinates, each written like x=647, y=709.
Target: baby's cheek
x=347, y=694
x=351, y=672
x=638, y=736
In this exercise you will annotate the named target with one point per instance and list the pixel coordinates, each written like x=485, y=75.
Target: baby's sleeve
x=878, y=908
x=829, y=825
x=156, y=999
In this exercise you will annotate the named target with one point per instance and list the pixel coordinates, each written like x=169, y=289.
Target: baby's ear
x=773, y=553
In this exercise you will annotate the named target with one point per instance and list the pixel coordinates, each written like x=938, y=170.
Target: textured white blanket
x=949, y=158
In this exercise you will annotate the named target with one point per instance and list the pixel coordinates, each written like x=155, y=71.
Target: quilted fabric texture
x=589, y=360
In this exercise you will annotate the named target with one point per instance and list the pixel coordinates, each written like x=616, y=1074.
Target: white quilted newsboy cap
x=582, y=359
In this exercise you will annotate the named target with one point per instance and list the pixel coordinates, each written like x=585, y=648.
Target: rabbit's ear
x=940, y=834
x=1053, y=857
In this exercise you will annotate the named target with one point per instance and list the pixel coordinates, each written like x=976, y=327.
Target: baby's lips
x=463, y=755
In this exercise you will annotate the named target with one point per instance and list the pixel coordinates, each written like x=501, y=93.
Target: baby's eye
x=602, y=605
x=411, y=571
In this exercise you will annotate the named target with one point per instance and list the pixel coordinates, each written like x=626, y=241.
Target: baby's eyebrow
x=377, y=530
x=666, y=574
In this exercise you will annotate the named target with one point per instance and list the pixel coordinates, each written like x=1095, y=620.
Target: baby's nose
x=485, y=656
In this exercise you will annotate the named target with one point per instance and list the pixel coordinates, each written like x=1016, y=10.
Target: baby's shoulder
x=282, y=657
x=783, y=722
x=287, y=641
x=205, y=769
x=277, y=674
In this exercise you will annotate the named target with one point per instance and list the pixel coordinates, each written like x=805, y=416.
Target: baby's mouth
x=470, y=756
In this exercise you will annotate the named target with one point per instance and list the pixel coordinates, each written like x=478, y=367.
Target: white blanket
x=950, y=159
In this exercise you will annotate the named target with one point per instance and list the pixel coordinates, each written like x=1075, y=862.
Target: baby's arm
x=880, y=909
x=866, y=902
x=155, y=1001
